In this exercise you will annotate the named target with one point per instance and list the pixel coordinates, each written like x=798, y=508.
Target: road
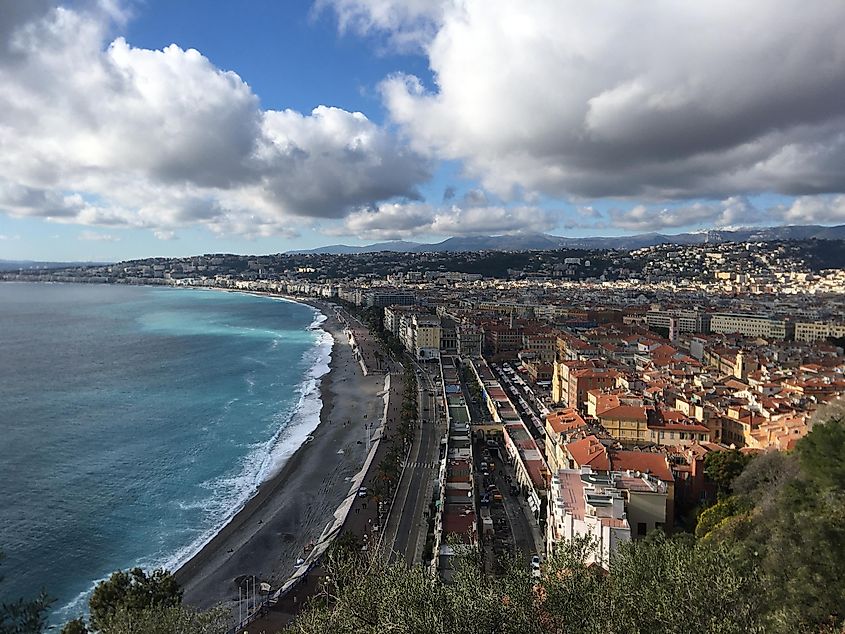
x=407, y=526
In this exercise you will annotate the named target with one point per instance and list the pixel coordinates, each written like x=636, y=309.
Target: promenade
x=358, y=516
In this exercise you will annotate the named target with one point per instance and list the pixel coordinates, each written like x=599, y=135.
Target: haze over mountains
x=14, y=265
x=545, y=242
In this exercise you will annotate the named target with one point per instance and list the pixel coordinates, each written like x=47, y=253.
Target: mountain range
x=16, y=265
x=545, y=242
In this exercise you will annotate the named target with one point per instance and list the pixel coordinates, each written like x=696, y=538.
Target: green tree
x=132, y=591
x=678, y=586
x=654, y=585
x=24, y=616
x=722, y=510
x=722, y=468
x=168, y=619
x=765, y=476
x=799, y=544
x=76, y=626
x=821, y=454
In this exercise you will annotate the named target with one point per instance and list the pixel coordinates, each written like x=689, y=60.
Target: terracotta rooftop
x=625, y=412
x=564, y=420
x=589, y=451
x=643, y=461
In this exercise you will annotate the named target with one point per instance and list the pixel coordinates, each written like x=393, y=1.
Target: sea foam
x=228, y=495
x=268, y=458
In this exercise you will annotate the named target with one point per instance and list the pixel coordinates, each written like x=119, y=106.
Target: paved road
x=523, y=538
x=408, y=525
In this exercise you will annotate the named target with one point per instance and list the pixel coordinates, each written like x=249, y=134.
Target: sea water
x=135, y=421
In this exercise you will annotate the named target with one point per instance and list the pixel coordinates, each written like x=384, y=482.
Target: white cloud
x=813, y=209
x=735, y=211
x=409, y=24
x=162, y=234
x=97, y=237
x=654, y=100
x=95, y=131
x=399, y=221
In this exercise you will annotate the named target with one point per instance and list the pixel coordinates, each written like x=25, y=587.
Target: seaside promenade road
x=407, y=526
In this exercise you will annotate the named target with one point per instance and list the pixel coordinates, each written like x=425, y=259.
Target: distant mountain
x=545, y=242
x=15, y=265
x=396, y=245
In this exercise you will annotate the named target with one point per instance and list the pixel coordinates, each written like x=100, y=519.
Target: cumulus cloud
x=96, y=131
x=812, y=209
x=409, y=24
x=654, y=100
x=399, y=221
x=735, y=211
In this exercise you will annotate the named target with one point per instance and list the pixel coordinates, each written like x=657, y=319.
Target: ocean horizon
x=137, y=421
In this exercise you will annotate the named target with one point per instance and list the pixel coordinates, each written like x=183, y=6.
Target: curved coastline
x=290, y=436
x=303, y=488
x=278, y=452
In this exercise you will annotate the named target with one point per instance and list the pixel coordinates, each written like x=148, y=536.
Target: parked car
x=362, y=492
x=535, y=562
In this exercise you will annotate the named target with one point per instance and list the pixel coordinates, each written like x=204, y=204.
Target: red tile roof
x=625, y=412
x=589, y=451
x=643, y=461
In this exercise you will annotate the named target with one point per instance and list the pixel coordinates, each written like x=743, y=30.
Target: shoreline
x=303, y=487
x=276, y=464
x=292, y=507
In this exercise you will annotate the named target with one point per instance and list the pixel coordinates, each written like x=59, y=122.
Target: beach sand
x=293, y=507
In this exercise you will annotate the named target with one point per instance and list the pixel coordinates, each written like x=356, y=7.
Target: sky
x=140, y=128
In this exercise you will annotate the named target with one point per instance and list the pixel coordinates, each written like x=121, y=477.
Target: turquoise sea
x=134, y=421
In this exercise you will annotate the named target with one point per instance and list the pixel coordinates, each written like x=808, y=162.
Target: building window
x=641, y=529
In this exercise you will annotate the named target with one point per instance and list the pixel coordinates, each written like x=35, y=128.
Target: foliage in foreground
x=131, y=592
x=135, y=602
x=657, y=585
x=769, y=558
x=175, y=619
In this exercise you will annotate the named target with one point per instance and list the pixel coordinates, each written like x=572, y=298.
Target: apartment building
x=750, y=325
x=586, y=504
x=816, y=330
x=383, y=298
x=678, y=321
x=423, y=337
x=393, y=317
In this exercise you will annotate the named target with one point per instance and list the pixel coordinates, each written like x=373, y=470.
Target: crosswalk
x=422, y=464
